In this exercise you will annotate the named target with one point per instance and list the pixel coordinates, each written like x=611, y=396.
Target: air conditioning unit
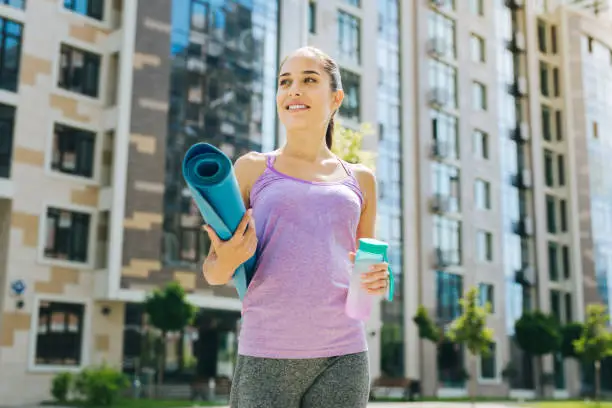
x=436, y=47
x=438, y=97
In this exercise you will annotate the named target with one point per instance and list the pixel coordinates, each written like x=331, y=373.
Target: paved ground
x=399, y=405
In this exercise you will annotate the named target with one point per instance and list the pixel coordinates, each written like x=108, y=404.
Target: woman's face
x=304, y=97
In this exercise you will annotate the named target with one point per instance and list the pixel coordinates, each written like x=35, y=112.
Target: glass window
x=556, y=82
x=482, y=193
x=486, y=294
x=565, y=260
x=548, y=168
x=79, y=71
x=349, y=37
x=484, y=246
x=200, y=16
x=553, y=39
x=447, y=237
x=10, y=54
x=478, y=48
x=555, y=305
x=477, y=7
x=559, y=125
x=544, y=79
x=89, y=8
x=312, y=17
x=445, y=131
x=551, y=215
x=446, y=182
x=442, y=28
x=563, y=214
x=561, y=168
x=488, y=364
x=569, y=315
x=67, y=235
x=553, y=261
x=481, y=144
x=59, y=334
x=546, y=125
x=479, y=96
x=351, y=105
x=449, y=289
x=444, y=77
x=542, y=36
x=73, y=151
x=7, y=125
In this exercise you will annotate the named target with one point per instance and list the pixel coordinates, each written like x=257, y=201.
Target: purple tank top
x=294, y=306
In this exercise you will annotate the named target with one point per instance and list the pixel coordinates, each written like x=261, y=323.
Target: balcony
x=442, y=258
x=519, y=87
x=514, y=4
x=517, y=43
x=440, y=204
x=522, y=179
x=438, y=97
x=525, y=276
x=436, y=47
x=520, y=133
x=439, y=150
x=523, y=227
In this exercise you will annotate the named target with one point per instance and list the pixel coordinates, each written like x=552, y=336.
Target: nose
x=295, y=90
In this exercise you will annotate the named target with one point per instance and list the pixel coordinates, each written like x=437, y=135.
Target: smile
x=297, y=108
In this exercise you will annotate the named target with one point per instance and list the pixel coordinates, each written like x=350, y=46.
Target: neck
x=303, y=145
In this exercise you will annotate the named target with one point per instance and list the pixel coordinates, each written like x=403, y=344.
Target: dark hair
x=331, y=67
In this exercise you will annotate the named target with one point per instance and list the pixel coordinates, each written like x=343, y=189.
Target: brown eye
x=310, y=80
x=284, y=82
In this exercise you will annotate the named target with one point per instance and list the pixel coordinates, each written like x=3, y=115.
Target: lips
x=294, y=107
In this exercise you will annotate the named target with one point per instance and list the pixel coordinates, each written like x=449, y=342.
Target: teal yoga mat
x=210, y=176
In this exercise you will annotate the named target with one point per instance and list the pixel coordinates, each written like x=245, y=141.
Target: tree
x=540, y=326
x=595, y=342
x=348, y=145
x=569, y=334
x=168, y=311
x=470, y=329
x=426, y=326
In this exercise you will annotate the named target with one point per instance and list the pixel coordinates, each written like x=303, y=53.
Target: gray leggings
x=338, y=382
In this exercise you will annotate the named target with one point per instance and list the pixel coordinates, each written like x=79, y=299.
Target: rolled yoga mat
x=211, y=179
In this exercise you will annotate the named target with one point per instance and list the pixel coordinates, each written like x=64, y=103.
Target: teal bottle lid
x=373, y=246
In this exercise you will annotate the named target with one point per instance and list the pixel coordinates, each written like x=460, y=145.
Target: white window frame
x=105, y=23
x=91, y=247
x=85, y=338
x=498, y=361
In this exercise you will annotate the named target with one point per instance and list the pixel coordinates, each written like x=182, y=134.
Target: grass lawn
x=567, y=404
x=147, y=403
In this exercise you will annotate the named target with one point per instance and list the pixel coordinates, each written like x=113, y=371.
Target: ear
x=338, y=98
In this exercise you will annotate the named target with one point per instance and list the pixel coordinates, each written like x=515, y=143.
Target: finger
x=379, y=267
x=238, y=234
x=214, y=238
x=352, y=257
x=374, y=276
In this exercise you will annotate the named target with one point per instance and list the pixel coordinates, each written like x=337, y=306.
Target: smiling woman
x=298, y=348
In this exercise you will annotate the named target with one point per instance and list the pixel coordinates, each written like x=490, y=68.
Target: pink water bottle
x=359, y=302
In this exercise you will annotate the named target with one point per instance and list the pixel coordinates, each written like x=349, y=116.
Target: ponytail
x=329, y=135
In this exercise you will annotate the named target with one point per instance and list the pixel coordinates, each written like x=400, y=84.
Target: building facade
x=491, y=173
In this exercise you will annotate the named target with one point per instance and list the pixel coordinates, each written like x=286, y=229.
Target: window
x=595, y=130
x=200, y=11
x=79, y=71
x=477, y=7
x=548, y=168
x=442, y=29
x=553, y=261
x=561, y=168
x=563, y=214
x=541, y=36
x=481, y=144
x=89, y=8
x=486, y=294
x=551, y=214
x=479, y=96
x=193, y=243
x=546, y=128
x=7, y=125
x=349, y=37
x=556, y=84
x=484, y=246
x=351, y=105
x=10, y=54
x=354, y=3
x=555, y=305
x=447, y=237
x=553, y=39
x=67, y=235
x=20, y=4
x=445, y=131
x=444, y=76
x=478, y=48
x=59, y=334
x=559, y=125
x=565, y=260
x=312, y=17
x=482, y=194
x=488, y=363
x=449, y=290
x=544, y=79
x=446, y=182
x=569, y=316
x=73, y=151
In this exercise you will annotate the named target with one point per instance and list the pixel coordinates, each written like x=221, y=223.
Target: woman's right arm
x=225, y=256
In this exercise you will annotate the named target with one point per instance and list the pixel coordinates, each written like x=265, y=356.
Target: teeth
x=291, y=107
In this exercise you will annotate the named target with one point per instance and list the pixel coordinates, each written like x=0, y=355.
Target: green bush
x=61, y=385
x=101, y=386
x=97, y=386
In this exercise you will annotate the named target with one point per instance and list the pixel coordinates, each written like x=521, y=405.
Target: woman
x=297, y=346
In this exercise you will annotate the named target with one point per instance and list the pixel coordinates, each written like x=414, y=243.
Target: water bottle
x=359, y=302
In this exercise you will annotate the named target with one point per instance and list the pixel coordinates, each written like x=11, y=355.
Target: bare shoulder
x=248, y=168
x=366, y=178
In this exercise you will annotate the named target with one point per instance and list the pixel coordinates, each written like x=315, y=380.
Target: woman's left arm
x=376, y=282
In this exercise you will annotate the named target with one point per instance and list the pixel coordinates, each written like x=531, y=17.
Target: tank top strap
x=346, y=167
x=270, y=159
